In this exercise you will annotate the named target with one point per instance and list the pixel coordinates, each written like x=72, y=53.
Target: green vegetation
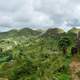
x=34, y=55
x=64, y=43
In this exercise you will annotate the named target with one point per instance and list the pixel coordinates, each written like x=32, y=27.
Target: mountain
x=22, y=32
x=28, y=32
x=74, y=30
x=53, y=31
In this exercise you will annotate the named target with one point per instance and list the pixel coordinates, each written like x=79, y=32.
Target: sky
x=39, y=14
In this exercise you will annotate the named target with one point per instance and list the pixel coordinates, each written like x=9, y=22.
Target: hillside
x=74, y=30
x=22, y=32
x=53, y=31
x=28, y=54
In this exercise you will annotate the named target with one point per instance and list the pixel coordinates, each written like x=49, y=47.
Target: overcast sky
x=39, y=14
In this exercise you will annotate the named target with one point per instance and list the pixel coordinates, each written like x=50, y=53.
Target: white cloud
x=44, y=13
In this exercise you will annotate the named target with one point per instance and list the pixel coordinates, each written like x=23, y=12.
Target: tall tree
x=64, y=43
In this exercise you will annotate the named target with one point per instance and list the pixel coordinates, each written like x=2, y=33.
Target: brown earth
x=75, y=68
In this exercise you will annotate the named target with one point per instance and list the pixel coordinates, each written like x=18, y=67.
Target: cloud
x=62, y=10
x=39, y=13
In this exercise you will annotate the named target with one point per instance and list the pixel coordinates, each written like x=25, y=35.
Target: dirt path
x=75, y=68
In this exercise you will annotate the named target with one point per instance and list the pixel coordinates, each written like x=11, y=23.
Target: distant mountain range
x=27, y=32
x=23, y=32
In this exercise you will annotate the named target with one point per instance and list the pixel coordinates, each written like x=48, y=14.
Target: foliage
x=64, y=42
x=32, y=56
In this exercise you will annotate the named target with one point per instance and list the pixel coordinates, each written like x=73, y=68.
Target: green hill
x=74, y=30
x=23, y=56
x=53, y=32
x=17, y=33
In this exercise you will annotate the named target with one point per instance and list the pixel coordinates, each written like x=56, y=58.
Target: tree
x=42, y=44
x=64, y=43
